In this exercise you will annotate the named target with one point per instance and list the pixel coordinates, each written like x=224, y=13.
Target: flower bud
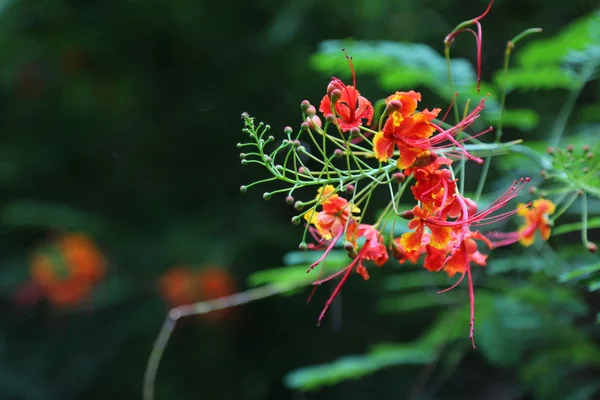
x=304, y=126
x=289, y=200
x=394, y=105
x=296, y=220
x=242, y=155
x=424, y=159
x=311, y=111
x=590, y=155
x=408, y=214
x=244, y=162
x=303, y=170
x=330, y=118
x=239, y=145
x=296, y=143
x=301, y=150
x=266, y=195
x=532, y=190
x=586, y=148
x=334, y=92
x=302, y=246
x=279, y=168
x=338, y=153
x=335, y=84
x=399, y=177
x=243, y=189
x=348, y=246
x=592, y=247
x=350, y=188
x=314, y=122
x=471, y=206
x=304, y=105
x=570, y=148
x=354, y=132
x=352, y=254
x=550, y=150
x=288, y=130
x=299, y=206
x=397, y=250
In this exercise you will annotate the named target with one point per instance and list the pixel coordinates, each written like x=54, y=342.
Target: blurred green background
x=119, y=121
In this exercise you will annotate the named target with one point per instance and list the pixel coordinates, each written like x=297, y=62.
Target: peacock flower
x=536, y=218
x=335, y=216
x=349, y=107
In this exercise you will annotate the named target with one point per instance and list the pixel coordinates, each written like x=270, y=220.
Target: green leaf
x=545, y=78
x=356, y=366
x=336, y=260
x=415, y=301
x=571, y=45
x=579, y=273
x=594, y=285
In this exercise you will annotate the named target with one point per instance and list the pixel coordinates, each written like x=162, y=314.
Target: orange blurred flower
x=182, y=285
x=536, y=218
x=178, y=287
x=68, y=269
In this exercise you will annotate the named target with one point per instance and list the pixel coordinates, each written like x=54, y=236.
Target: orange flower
x=466, y=253
x=406, y=130
x=435, y=188
x=182, y=285
x=332, y=220
x=213, y=283
x=67, y=270
x=536, y=218
x=178, y=286
x=439, y=238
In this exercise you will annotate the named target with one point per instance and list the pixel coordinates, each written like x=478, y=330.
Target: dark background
x=119, y=119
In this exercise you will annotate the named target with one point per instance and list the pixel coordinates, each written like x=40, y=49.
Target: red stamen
x=326, y=252
x=348, y=270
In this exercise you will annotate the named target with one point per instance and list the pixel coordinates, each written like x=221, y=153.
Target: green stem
x=449, y=68
x=563, y=116
x=584, y=219
x=564, y=207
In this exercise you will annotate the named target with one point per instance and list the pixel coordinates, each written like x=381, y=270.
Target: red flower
x=439, y=238
x=451, y=245
x=435, y=187
x=414, y=137
x=349, y=106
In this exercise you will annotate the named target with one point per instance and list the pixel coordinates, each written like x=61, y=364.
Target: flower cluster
x=352, y=148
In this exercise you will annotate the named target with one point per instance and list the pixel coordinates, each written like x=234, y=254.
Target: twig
x=203, y=307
